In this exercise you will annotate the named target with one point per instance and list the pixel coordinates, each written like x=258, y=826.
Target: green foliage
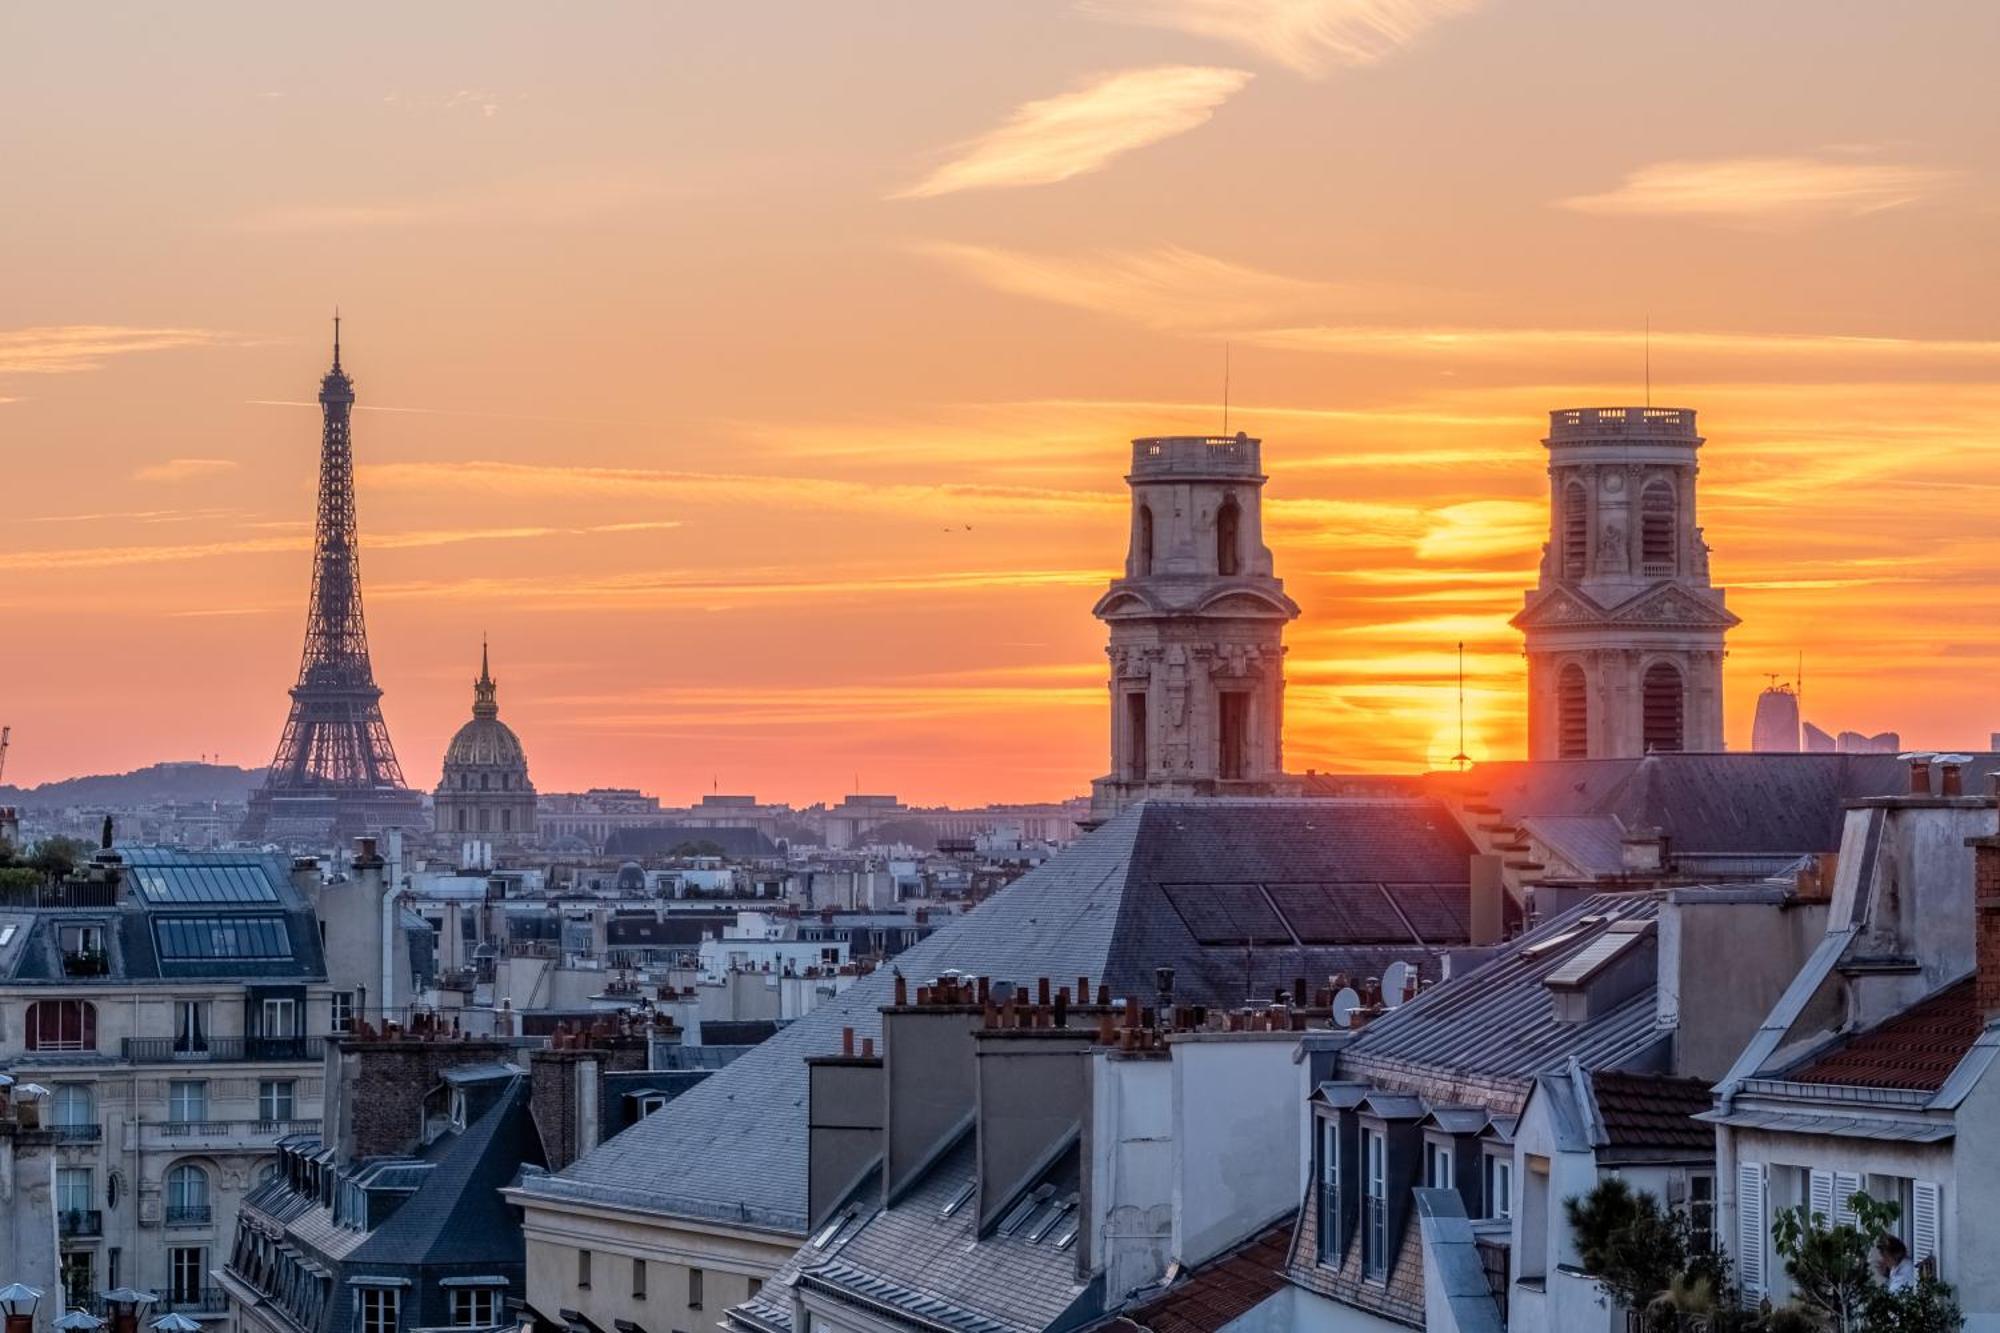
x=59, y=857
x=1833, y=1272
x=19, y=877
x=1929, y=1307
x=1633, y=1247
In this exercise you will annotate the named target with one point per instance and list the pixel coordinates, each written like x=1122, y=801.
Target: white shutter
x=1751, y=1231
x=1819, y=1195
x=1926, y=1217
x=1845, y=1186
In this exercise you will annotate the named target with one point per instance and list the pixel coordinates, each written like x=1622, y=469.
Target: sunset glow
x=764, y=393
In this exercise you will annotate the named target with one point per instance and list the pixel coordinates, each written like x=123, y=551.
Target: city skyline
x=777, y=438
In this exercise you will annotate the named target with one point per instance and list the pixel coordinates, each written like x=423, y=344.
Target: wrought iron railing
x=189, y=1214
x=80, y=1222
x=221, y=1050
x=89, y=1133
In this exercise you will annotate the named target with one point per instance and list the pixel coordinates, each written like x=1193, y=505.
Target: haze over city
x=761, y=383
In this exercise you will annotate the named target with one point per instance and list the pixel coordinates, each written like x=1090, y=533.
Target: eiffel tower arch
x=335, y=773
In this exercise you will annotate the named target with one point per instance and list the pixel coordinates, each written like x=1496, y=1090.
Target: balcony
x=79, y=1223
x=221, y=1135
x=206, y=1300
x=60, y=894
x=188, y=1215
x=222, y=1050
x=86, y=963
x=89, y=1133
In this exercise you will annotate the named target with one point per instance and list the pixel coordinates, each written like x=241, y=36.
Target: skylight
x=239, y=938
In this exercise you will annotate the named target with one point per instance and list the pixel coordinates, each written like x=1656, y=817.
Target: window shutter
x=1845, y=1186
x=1750, y=1231
x=1819, y=1195
x=1926, y=1216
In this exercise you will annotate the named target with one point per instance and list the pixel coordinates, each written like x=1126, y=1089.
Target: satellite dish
x=1344, y=1005
x=1395, y=978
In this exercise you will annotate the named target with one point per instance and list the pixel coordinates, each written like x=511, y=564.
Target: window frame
x=1374, y=1202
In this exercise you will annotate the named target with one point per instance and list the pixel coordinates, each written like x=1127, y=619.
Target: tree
x=1636, y=1249
x=59, y=857
x=1829, y=1262
x=1929, y=1307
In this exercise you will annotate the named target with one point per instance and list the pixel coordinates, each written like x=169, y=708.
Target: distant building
x=484, y=793
x=1776, y=728
x=1624, y=632
x=1850, y=742
x=1197, y=630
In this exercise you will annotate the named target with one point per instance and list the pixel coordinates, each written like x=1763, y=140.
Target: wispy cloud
x=1309, y=36
x=67, y=348
x=1166, y=287
x=1077, y=132
x=103, y=557
x=1512, y=343
x=184, y=469
x=1764, y=189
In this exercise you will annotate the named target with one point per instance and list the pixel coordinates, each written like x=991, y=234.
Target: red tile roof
x=1222, y=1289
x=1916, y=1049
x=1653, y=1110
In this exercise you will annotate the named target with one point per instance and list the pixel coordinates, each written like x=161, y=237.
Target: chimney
x=1950, y=781
x=1986, y=918
x=1920, y=777
x=1487, y=888
x=844, y=1108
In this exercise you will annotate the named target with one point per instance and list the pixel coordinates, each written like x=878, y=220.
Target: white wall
x=1236, y=1154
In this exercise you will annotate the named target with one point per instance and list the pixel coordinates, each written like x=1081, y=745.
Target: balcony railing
x=233, y=1129
x=80, y=1222
x=60, y=894
x=78, y=1133
x=85, y=963
x=189, y=1214
x=221, y=1050
x=205, y=1300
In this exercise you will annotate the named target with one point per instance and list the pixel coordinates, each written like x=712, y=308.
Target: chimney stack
x=1986, y=919
x=1950, y=781
x=1920, y=777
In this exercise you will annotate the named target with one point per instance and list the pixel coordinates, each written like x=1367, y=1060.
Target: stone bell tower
x=1624, y=632
x=1197, y=629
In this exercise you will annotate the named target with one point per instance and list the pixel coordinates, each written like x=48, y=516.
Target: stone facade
x=1197, y=627
x=484, y=794
x=1624, y=632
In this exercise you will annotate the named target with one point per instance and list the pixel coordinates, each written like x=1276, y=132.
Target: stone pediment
x=1123, y=601
x=1672, y=606
x=1241, y=601
x=1560, y=606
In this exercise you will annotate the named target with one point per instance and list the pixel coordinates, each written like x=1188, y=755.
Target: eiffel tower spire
x=335, y=772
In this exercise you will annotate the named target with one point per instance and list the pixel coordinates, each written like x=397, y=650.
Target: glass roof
x=184, y=883
x=186, y=938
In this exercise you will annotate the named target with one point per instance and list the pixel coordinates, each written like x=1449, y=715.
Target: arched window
x=1142, y=544
x=74, y=1106
x=187, y=1195
x=1228, y=537
x=1664, y=707
x=1656, y=529
x=1575, y=530
x=1572, y=713
x=62, y=1025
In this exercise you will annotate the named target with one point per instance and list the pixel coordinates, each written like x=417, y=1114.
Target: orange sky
x=759, y=377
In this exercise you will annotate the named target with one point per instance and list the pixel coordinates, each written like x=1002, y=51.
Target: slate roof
x=1652, y=1111
x=734, y=1149
x=1485, y=1036
x=1223, y=1289
x=661, y=839
x=1917, y=1049
x=1739, y=802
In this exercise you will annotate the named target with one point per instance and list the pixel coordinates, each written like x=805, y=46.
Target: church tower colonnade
x=1196, y=630
x=1625, y=634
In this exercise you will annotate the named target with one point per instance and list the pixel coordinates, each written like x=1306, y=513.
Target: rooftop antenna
x=6, y=735
x=1461, y=759
x=336, y=337
x=1225, y=388
x=1649, y=358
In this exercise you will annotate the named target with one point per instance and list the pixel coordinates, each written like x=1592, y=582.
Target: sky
x=759, y=377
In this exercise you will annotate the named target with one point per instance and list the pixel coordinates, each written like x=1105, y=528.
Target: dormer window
x=1329, y=1189
x=1374, y=1203
x=83, y=950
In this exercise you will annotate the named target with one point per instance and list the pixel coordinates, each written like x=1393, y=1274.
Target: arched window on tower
x=1142, y=544
x=1656, y=529
x=1575, y=530
x=1228, y=537
x=1572, y=713
x=1664, y=705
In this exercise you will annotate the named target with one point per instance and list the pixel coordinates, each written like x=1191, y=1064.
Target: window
x=1575, y=530
x=83, y=951
x=1329, y=1189
x=187, y=1195
x=1701, y=1212
x=583, y=1268
x=473, y=1307
x=73, y=1193
x=190, y=1027
x=62, y=1025
x=1656, y=529
x=280, y=1015
x=1438, y=1165
x=1572, y=713
x=1233, y=733
x=1374, y=1203
x=1142, y=544
x=274, y=1099
x=74, y=1107
x=340, y=1010
x=187, y=1101
x=186, y=939
x=1136, y=763
x=379, y=1309
x=756, y=1285
x=79, y=1288
x=187, y=1267
x=1499, y=1186
x=650, y=1103
x=1228, y=538
x=694, y=1288
x=1663, y=705
x=638, y=1279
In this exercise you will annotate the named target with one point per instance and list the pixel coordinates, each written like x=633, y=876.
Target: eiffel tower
x=335, y=774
